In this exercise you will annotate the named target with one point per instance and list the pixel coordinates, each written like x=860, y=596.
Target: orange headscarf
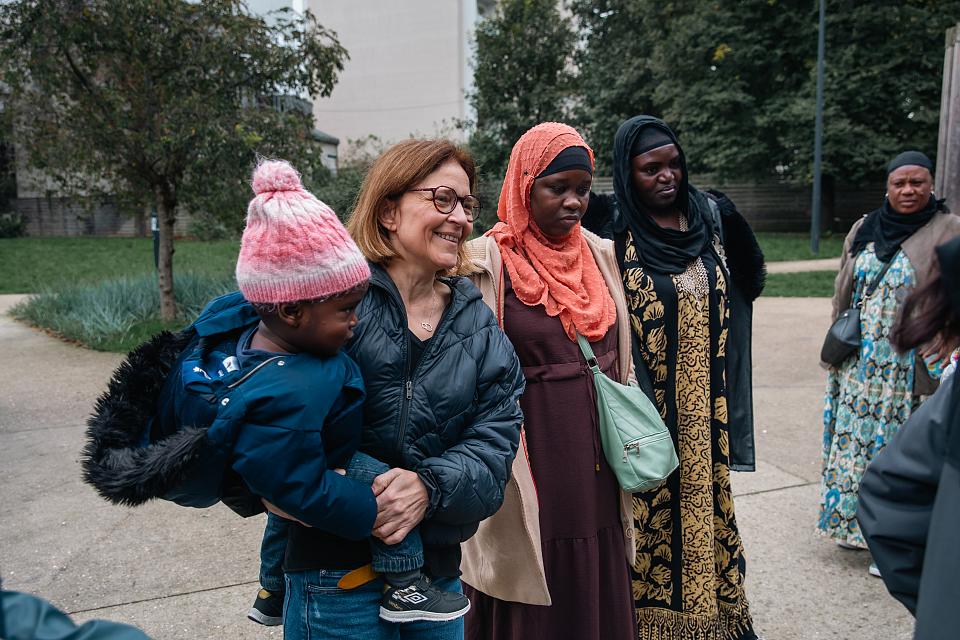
x=561, y=275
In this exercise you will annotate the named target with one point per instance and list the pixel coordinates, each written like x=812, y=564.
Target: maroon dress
x=582, y=538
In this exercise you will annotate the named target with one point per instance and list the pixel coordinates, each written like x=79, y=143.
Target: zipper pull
x=409, y=389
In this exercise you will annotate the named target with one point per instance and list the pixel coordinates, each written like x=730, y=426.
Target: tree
x=615, y=76
x=522, y=76
x=718, y=73
x=160, y=101
x=737, y=80
x=883, y=82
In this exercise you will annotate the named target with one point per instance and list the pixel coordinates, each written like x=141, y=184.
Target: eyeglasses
x=445, y=200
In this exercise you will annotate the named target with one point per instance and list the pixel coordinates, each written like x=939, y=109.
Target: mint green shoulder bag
x=636, y=442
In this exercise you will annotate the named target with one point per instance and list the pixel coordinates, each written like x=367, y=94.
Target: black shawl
x=663, y=250
x=888, y=228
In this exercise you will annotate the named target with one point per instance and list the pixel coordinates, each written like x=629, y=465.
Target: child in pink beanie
x=255, y=404
x=305, y=276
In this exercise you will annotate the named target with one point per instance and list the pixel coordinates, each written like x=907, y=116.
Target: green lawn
x=778, y=247
x=28, y=265
x=808, y=284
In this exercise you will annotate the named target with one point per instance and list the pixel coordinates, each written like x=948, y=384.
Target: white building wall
x=408, y=69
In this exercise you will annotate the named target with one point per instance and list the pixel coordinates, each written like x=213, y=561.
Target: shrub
x=12, y=225
x=117, y=315
x=340, y=191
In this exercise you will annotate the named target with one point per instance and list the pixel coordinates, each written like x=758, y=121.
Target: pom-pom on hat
x=294, y=247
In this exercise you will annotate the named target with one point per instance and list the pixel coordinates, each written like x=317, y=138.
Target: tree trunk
x=166, y=216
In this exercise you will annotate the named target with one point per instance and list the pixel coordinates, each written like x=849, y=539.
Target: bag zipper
x=636, y=444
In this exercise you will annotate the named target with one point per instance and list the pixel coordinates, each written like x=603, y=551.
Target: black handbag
x=843, y=337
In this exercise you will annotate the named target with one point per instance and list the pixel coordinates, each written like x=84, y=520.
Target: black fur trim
x=745, y=259
x=114, y=459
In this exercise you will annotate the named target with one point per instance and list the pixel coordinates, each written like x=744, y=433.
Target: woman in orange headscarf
x=553, y=562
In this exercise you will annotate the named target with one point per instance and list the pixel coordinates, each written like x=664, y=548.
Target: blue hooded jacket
x=282, y=422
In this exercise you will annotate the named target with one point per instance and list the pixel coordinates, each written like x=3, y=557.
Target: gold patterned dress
x=688, y=580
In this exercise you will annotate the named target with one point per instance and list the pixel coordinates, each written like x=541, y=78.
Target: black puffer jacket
x=456, y=420
x=909, y=517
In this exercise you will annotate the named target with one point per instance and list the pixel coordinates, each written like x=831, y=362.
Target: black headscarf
x=888, y=228
x=569, y=158
x=663, y=250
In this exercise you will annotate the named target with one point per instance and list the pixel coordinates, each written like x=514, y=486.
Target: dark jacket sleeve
x=600, y=215
x=748, y=272
x=26, y=616
x=287, y=466
x=236, y=495
x=938, y=615
x=466, y=482
x=897, y=497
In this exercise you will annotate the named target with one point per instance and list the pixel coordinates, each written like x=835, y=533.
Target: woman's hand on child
x=401, y=504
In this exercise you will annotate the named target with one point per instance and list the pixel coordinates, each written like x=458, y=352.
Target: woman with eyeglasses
x=442, y=384
x=553, y=562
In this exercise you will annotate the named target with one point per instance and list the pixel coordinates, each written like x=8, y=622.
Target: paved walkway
x=181, y=573
x=795, y=266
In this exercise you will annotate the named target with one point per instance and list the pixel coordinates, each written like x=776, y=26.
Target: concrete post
x=948, y=146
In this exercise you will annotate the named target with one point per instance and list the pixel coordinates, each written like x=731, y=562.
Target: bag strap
x=715, y=216
x=587, y=351
x=876, y=282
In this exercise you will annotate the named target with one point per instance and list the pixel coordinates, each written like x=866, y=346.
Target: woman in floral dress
x=871, y=394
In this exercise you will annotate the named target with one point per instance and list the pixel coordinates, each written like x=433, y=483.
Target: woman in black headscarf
x=871, y=394
x=691, y=269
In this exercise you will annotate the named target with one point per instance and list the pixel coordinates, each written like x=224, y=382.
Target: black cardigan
x=747, y=273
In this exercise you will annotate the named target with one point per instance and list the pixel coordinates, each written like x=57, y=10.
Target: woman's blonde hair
x=397, y=170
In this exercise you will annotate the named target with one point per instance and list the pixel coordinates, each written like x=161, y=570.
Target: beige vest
x=504, y=559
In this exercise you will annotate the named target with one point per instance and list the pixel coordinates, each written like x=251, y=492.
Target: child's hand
x=342, y=472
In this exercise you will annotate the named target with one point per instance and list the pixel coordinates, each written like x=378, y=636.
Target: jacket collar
x=225, y=314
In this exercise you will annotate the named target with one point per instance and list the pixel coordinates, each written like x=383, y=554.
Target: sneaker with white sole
x=267, y=609
x=421, y=600
x=843, y=544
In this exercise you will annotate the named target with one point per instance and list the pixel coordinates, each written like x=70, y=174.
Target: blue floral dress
x=868, y=397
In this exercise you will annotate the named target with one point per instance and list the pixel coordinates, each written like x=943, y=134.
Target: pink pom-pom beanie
x=294, y=247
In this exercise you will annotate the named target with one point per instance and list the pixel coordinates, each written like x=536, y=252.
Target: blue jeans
x=406, y=555
x=272, y=549
x=316, y=609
